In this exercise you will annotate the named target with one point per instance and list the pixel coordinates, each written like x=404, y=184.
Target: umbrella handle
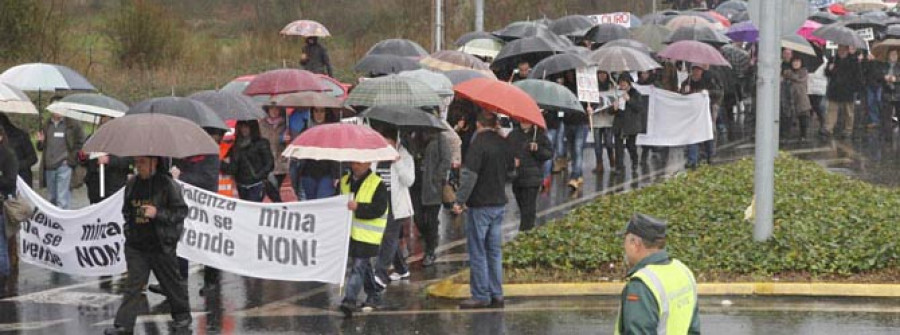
x=102, y=180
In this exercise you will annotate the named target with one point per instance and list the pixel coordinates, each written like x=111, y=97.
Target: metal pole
x=767, y=96
x=438, y=25
x=479, y=15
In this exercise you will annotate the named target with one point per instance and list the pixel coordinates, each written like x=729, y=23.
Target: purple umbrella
x=744, y=32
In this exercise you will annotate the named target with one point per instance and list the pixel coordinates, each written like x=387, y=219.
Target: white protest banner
x=297, y=241
x=588, y=87
x=620, y=18
x=85, y=242
x=674, y=119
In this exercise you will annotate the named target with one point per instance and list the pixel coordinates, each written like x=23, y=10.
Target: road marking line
x=7, y=327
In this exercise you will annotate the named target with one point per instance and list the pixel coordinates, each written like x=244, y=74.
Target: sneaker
x=399, y=276
x=474, y=304
x=497, y=302
x=380, y=282
x=428, y=260
x=347, y=308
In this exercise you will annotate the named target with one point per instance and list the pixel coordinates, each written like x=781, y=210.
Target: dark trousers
x=623, y=142
x=818, y=109
x=526, y=198
x=428, y=226
x=253, y=193
x=787, y=123
x=165, y=268
x=388, y=253
x=888, y=112
x=274, y=191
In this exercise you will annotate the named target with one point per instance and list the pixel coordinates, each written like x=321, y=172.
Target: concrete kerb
x=447, y=289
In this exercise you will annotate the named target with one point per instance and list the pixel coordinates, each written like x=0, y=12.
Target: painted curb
x=448, y=290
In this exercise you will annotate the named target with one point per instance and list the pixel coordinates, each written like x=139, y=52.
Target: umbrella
x=398, y=47
x=550, y=96
x=151, y=135
x=446, y=60
x=807, y=29
x=740, y=17
x=797, y=43
x=735, y=5
x=308, y=100
x=570, y=23
x=881, y=50
x=841, y=35
x=743, y=32
x=88, y=107
x=651, y=35
x=688, y=21
x=404, y=117
x=393, y=90
x=437, y=81
x=737, y=57
x=535, y=48
x=482, y=47
x=45, y=77
x=619, y=59
x=630, y=44
x=13, y=100
x=837, y=9
x=606, y=32
x=459, y=76
x=385, y=64
x=520, y=29
x=823, y=17
x=501, y=97
x=698, y=33
x=694, y=52
x=283, y=81
x=863, y=22
x=230, y=106
x=719, y=18
x=341, y=142
x=190, y=109
x=893, y=32
x=305, y=28
x=876, y=15
x=557, y=64
x=474, y=35
x=864, y=5
x=656, y=18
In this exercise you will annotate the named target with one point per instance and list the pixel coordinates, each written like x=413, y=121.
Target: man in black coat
x=532, y=147
x=20, y=144
x=844, y=83
x=154, y=212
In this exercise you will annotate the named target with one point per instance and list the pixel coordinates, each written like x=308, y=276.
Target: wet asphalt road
x=49, y=303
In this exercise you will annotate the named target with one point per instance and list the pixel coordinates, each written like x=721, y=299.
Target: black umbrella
x=521, y=29
x=151, y=135
x=474, y=35
x=740, y=17
x=386, y=64
x=875, y=15
x=229, y=105
x=863, y=22
x=698, y=33
x=404, y=117
x=625, y=42
x=398, y=47
x=459, y=76
x=532, y=49
x=571, y=23
x=841, y=35
x=557, y=64
x=824, y=17
x=190, y=109
x=893, y=31
x=606, y=32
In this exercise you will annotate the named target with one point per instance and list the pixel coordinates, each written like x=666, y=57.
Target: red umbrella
x=838, y=9
x=694, y=52
x=341, y=142
x=284, y=81
x=501, y=97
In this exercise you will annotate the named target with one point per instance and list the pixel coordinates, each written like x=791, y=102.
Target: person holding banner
x=370, y=214
x=602, y=122
x=154, y=211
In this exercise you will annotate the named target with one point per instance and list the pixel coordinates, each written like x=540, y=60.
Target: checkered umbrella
x=393, y=90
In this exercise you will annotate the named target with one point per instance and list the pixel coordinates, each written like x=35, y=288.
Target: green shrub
x=145, y=34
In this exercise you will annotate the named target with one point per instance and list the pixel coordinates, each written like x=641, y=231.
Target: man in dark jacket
x=843, y=73
x=874, y=72
x=20, y=144
x=483, y=190
x=532, y=147
x=154, y=212
x=315, y=57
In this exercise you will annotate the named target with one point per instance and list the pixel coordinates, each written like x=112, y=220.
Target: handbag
x=448, y=192
x=16, y=211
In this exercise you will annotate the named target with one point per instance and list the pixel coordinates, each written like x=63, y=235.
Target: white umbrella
x=88, y=107
x=12, y=100
x=45, y=77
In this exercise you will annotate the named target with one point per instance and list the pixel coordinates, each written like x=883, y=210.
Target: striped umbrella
x=13, y=100
x=393, y=90
x=446, y=60
x=341, y=142
x=88, y=107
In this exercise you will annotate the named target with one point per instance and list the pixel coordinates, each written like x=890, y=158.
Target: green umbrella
x=393, y=90
x=550, y=95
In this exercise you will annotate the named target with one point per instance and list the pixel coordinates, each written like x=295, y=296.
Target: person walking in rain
x=154, y=211
x=660, y=294
x=249, y=161
x=273, y=129
x=370, y=214
x=315, y=57
x=60, y=141
x=532, y=147
x=397, y=176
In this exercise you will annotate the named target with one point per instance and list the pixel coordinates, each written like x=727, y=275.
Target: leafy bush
x=826, y=225
x=144, y=34
x=31, y=29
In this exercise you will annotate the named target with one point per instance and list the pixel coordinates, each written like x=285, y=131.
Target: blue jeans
x=58, y=185
x=576, y=136
x=362, y=277
x=556, y=142
x=255, y=193
x=4, y=249
x=693, y=151
x=873, y=102
x=294, y=173
x=314, y=188
x=484, y=237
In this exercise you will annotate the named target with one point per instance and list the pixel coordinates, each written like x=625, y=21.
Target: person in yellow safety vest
x=660, y=296
x=370, y=211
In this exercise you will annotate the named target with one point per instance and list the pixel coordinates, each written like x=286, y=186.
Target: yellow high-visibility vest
x=675, y=290
x=372, y=230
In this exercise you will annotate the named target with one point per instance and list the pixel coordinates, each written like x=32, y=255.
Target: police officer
x=660, y=296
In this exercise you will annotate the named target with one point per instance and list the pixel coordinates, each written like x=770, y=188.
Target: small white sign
x=866, y=34
x=588, y=87
x=620, y=18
